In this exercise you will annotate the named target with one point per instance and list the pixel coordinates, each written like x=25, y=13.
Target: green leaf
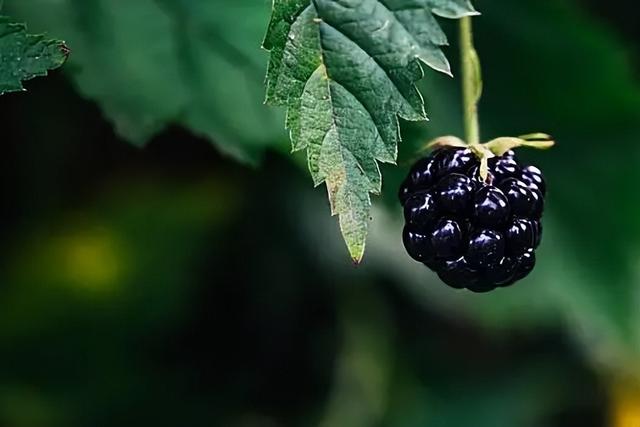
x=346, y=71
x=153, y=63
x=24, y=56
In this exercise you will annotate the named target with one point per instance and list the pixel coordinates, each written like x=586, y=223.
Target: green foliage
x=587, y=271
x=24, y=56
x=152, y=63
x=195, y=295
x=346, y=72
x=587, y=262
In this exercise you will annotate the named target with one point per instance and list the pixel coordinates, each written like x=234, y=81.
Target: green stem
x=471, y=82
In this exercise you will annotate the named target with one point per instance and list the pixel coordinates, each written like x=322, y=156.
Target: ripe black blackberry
x=476, y=234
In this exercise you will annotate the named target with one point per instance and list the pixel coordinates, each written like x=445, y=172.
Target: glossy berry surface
x=475, y=234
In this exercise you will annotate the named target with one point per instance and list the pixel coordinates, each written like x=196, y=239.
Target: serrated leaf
x=153, y=63
x=346, y=71
x=24, y=56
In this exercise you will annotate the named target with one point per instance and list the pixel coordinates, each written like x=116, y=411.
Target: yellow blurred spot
x=89, y=260
x=626, y=406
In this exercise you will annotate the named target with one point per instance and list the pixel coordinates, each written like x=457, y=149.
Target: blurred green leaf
x=177, y=296
x=589, y=262
x=346, y=72
x=586, y=96
x=362, y=373
x=196, y=63
x=25, y=56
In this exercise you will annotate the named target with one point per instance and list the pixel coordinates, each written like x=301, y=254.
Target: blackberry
x=474, y=234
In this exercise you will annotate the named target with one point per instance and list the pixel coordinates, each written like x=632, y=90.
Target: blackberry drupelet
x=474, y=234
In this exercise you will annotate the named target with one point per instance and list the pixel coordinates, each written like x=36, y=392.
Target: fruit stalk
x=471, y=82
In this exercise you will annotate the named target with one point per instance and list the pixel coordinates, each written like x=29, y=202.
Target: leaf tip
x=441, y=65
x=444, y=68
x=356, y=247
x=356, y=258
x=64, y=49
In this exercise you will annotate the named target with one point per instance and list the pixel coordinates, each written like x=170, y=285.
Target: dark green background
x=173, y=286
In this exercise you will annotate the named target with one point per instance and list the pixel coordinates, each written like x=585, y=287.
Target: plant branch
x=471, y=82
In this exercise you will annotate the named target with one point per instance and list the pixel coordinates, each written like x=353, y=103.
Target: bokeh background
x=166, y=262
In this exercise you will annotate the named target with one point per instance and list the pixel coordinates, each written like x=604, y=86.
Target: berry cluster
x=475, y=234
